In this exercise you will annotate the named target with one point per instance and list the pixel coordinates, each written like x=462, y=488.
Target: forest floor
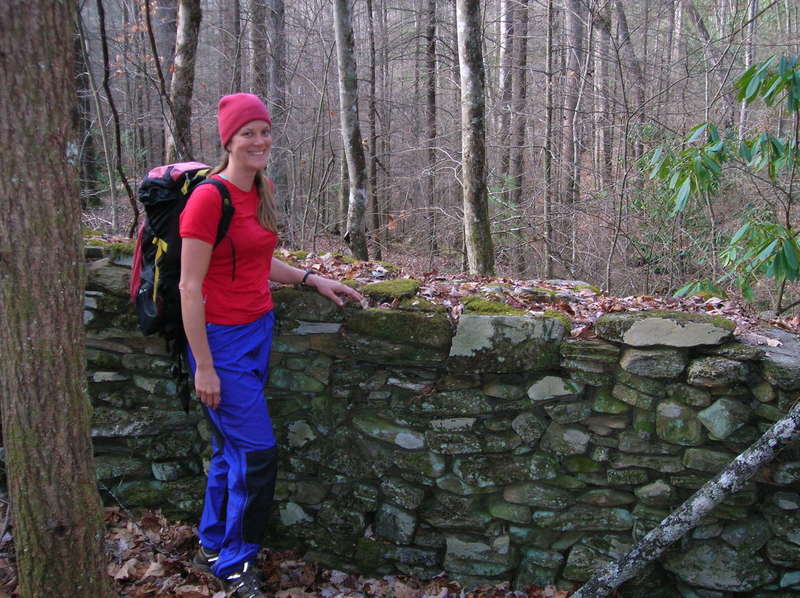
x=150, y=557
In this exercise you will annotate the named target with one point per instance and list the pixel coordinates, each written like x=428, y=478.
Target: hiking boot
x=243, y=584
x=205, y=558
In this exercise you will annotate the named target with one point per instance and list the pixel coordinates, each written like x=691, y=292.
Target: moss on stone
x=403, y=327
x=478, y=306
x=420, y=304
x=589, y=287
x=121, y=248
x=560, y=316
x=399, y=288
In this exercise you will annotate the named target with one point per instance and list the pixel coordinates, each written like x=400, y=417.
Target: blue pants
x=243, y=467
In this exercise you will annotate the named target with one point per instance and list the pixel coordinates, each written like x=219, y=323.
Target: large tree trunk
x=519, y=124
x=372, y=117
x=550, y=189
x=355, y=236
x=430, y=129
x=570, y=148
x=279, y=162
x=179, y=134
x=504, y=88
x=258, y=56
x=634, y=108
x=58, y=521
x=477, y=232
x=729, y=481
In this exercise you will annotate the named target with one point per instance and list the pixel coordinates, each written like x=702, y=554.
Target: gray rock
x=664, y=328
x=476, y=555
x=656, y=494
x=781, y=364
x=565, y=440
x=654, y=363
x=747, y=536
x=678, y=424
x=553, y=387
x=724, y=417
x=506, y=343
x=717, y=566
x=538, y=495
x=715, y=372
x=395, y=524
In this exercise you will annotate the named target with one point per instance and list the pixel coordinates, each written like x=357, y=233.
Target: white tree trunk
x=477, y=234
x=355, y=237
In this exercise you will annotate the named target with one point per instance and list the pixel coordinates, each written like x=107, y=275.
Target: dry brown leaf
x=126, y=570
x=294, y=593
x=155, y=569
x=403, y=590
x=194, y=591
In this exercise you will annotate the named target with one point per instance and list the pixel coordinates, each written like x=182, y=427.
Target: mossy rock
x=506, y=343
x=305, y=304
x=588, y=287
x=664, y=328
x=403, y=327
x=420, y=304
x=559, y=315
x=388, y=290
x=479, y=306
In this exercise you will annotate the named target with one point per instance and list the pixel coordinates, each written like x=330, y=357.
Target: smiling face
x=249, y=147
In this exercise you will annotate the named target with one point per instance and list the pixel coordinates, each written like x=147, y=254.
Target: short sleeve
x=200, y=218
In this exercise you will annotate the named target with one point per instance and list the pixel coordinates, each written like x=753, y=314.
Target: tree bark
x=259, y=74
x=372, y=118
x=634, y=111
x=179, y=135
x=477, y=232
x=430, y=113
x=279, y=162
x=688, y=515
x=58, y=521
x=570, y=148
x=519, y=124
x=505, y=88
x=355, y=236
x=550, y=191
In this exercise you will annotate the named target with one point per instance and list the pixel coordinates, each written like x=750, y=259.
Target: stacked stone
x=498, y=449
x=147, y=449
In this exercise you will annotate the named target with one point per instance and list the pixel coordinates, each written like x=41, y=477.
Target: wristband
x=307, y=274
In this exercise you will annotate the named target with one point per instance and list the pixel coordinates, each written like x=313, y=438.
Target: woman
x=228, y=318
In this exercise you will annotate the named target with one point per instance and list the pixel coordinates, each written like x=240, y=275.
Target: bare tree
x=58, y=520
x=355, y=236
x=430, y=122
x=519, y=124
x=575, y=17
x=477, y=231
x=179, y=132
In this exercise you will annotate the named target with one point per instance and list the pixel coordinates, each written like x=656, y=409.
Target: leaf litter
x=151, y=557
x=583, y=304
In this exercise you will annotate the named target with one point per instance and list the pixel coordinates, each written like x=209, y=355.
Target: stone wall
x=497, y=449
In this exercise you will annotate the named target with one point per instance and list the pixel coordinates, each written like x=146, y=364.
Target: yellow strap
x=161, y=249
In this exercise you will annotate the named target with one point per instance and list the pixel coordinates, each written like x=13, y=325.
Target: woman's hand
x=333, y=289
x=207, y=386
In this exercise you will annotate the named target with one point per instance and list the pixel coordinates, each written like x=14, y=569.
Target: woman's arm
x=332, y=289
x=195, y=257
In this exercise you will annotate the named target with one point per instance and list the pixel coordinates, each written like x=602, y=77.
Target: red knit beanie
x=236, y=110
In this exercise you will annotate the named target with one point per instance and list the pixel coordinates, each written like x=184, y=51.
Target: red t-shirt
x=236, y=286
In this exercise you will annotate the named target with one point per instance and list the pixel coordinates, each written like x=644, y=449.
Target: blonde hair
x=267, y=215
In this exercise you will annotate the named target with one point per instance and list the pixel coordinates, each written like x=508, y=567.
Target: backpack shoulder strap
x=227, y=208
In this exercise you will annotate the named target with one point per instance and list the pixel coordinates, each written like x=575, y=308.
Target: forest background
x=577, y=95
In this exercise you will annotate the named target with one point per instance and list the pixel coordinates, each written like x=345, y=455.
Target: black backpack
x=155, y=271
